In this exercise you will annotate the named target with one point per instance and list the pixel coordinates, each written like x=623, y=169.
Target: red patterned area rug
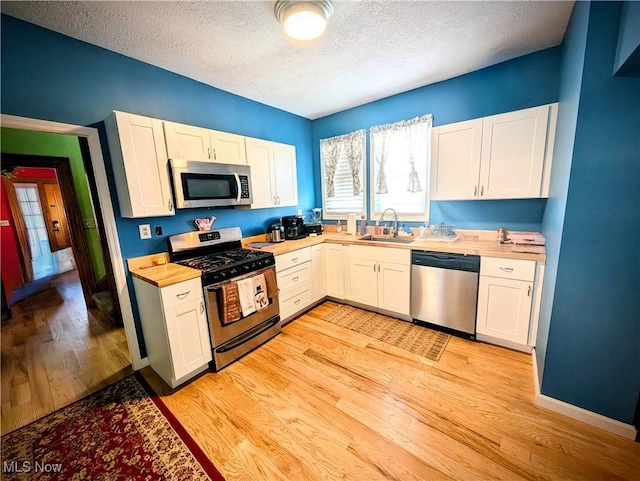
x=123, y=432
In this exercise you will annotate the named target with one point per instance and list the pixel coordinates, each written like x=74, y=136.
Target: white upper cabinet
x=227, y=148
x=505, y=156
x=140, y=165
x=187, y=142
x=286, y=179
x=455, y=153
x=273, y=173
x=513, y=151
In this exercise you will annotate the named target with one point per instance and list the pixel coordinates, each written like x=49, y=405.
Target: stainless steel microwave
x=207, y=184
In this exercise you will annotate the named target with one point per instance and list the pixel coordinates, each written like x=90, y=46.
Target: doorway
x=57, y=347
x=40, y=224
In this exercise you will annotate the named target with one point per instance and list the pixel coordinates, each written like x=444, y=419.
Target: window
x=399, y=162
x=342, y=164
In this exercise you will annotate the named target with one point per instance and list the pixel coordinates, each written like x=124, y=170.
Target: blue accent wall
x=520, y=83
x=49, y=76
x=628, y=50
x=593, y=348
x=570, y=83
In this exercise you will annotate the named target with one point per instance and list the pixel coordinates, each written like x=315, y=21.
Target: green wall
x=16, y=141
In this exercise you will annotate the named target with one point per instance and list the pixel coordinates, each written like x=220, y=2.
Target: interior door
x=57, y=224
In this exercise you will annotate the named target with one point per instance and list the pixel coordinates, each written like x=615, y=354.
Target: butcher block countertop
x=481, y=243
x=157, y=270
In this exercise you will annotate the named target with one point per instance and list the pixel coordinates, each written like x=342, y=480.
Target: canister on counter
x=503, y=235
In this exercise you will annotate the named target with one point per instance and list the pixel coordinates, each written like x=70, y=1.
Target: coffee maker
x=293, y=227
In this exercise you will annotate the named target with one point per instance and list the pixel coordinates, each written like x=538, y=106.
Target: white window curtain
x=342, y=162
x=400, y=162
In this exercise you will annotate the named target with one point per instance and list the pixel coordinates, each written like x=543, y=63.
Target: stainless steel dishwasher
x=444, y=291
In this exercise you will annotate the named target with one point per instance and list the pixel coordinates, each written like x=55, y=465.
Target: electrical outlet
x=158, y=229
x=145, y=231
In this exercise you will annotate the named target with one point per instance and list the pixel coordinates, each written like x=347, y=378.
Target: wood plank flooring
x=320, y=402
x=55, y=352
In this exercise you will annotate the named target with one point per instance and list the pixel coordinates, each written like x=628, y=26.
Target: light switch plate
x=145, y=231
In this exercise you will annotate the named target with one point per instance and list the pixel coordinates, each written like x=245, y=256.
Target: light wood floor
x=55, y=351
x=320, y=402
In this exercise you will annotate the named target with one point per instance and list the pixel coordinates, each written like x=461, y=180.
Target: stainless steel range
x=227, y=269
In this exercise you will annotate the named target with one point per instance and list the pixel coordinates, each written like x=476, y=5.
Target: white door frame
x=108, y=216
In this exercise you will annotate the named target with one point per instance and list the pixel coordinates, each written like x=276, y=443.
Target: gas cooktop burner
x=221, y=260
x=225, y=265
x=218, y=254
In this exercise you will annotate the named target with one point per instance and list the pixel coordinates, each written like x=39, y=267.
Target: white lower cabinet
x=380, y=277
x=505, y=295
x=293, y=271
x=319, y=271
x=337, y=260
x=174, y=324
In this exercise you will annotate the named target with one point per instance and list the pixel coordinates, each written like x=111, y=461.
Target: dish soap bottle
x=377, y=229
x=339, y=227
x=363, y=226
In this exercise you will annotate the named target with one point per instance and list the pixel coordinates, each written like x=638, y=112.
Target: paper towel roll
x=351, y=224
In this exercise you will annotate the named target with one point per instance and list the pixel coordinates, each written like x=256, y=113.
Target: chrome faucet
x=395, y=220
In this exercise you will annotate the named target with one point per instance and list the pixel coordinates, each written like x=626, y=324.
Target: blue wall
x=593, y=349
x=628, y=50
x=524, y=82
x=572, y=66
x=49, y=76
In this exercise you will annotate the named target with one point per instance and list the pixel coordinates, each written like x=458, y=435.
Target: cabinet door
x=513, y=150
x=227, y=148
x=188, y=337
x=140, y=165
x=504, y=308
x=363, y=285
x=319, y=269
x=260, y=159
x=455, y=160
x=335, y=270
x=394, y=286
x=187, y=142
x=284, y=170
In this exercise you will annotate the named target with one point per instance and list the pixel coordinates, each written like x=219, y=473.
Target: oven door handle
x=248, y=335
x=238, y=187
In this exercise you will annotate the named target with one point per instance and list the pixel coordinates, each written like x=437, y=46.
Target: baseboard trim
x=614, y=426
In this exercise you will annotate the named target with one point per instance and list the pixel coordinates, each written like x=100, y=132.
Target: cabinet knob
x=529, y=291
x=182, y=295
x=506, y=269
x=295, y=279
x=297, y=301
x=209, y=153
x=295, y=259
x=481, y=191
x=170, y=205
x=475, y=191
x=201, y=307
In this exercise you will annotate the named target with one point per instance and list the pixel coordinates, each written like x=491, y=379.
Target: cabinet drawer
x=295, y=301
x=294, y=258
x=181, y=292
x=507, y=268
x=294, y=277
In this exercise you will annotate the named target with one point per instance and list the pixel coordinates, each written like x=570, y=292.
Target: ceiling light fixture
x=304, y=20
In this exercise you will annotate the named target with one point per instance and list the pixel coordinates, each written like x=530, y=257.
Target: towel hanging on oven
x=247, y=297
x=230, y=303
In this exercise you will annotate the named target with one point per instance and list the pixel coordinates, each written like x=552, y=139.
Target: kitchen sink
x=387, y=238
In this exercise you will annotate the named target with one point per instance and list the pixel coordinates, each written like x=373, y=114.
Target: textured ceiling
x=371, y=49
